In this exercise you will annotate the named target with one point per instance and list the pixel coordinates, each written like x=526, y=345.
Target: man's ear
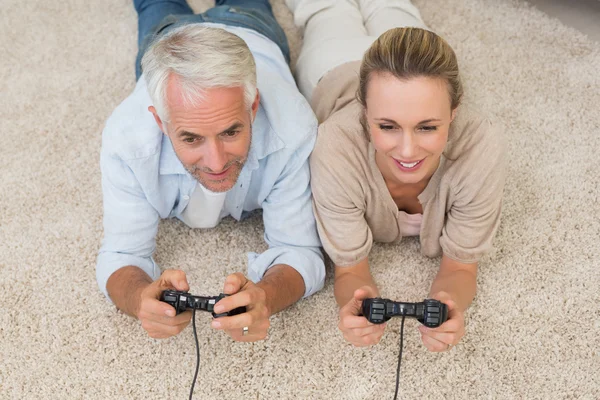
x=255, y=105
x=157, y=119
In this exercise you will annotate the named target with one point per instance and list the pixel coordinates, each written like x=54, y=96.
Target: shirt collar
x=169, y=162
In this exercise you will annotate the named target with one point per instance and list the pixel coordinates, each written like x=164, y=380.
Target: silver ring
x=245, y=331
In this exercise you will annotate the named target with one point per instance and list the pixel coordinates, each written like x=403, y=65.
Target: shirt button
x=186, y=197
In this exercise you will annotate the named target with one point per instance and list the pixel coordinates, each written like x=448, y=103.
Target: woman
x=395, y=156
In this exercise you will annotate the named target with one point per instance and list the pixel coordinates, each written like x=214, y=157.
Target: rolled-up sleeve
x=290, y=229
x=473, y=219
x=130, y=223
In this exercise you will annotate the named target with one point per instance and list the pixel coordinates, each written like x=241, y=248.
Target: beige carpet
x=532, y=331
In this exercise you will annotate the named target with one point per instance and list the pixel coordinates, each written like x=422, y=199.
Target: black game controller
x=431, y=313
x=182, y=301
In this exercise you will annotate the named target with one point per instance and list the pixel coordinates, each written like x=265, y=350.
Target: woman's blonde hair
x=410, y=53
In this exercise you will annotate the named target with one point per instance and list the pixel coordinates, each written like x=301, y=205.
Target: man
x=214, y=127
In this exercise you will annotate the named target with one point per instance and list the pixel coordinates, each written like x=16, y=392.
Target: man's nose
x=215, y=157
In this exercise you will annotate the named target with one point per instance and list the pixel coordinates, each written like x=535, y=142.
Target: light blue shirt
x=144, y=181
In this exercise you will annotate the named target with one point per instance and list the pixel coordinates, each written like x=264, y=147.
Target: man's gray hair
x=202, y=58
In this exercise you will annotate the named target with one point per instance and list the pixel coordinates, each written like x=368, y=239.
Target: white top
x=205, y=208
x=410, y=224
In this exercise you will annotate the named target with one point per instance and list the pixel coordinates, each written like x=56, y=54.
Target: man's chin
x=216, y=186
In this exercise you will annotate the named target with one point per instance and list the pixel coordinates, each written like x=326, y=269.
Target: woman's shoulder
x=342, y=133
x=476, y=150
x=475, y=139
x=342, y=148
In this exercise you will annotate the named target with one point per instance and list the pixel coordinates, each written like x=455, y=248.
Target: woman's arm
x=458, y=280
x=455, y=285
x=348, y=279
x=352, y=285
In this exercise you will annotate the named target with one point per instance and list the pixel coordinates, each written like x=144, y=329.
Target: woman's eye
x=386, y=127
x=428, y=128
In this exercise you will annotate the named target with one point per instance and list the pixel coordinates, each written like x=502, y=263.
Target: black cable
x=399, y=357
x=197, y=353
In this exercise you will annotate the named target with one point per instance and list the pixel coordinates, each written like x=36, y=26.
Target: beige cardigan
x=353, y=207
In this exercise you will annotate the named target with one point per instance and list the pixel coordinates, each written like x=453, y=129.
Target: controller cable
x=399, y=356
x=197, y=352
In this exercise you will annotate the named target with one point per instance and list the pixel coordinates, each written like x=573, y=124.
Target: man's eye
x=230, y=134
x=189, y=140
x=386, y=127
x=428, y=128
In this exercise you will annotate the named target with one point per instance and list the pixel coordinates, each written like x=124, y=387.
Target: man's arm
x=125, y=269
x=134, y=293
x=125, y=286
x=290, y=227
x=283, y=286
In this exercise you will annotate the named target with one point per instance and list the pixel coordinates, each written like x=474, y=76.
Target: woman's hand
x=355, y=328
x=450, y=332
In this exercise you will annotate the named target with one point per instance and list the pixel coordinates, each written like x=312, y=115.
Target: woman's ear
x=453, y=114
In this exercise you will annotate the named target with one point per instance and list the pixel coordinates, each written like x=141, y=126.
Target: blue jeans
x=156, y=17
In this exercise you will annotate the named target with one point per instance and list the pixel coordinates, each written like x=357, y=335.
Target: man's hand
x=450, y=332
x=243, y=293
x=158, y=318
x=355, y=328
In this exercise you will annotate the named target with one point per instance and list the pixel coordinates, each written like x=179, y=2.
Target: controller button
x=378, y=306
x=433, y=309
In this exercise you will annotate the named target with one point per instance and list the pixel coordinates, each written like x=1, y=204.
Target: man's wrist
x=125, y=288
x=283, y=286
x=135, y=298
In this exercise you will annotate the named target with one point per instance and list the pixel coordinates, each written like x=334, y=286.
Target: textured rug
x=532, y=332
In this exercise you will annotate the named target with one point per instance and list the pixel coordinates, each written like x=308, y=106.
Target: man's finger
x=234, y=283
x=239, y=299
x=234, y=322
x=163, y=330
x=174, y=278
x=252, y=336
x=153, y=308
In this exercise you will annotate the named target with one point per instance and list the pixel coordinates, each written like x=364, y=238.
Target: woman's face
x=409, y=122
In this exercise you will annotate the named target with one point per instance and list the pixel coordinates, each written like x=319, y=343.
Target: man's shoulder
x=289, y=115
x=131, y=132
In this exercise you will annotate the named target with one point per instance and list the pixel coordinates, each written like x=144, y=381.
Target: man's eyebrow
x=187, y=134
x=233, y=127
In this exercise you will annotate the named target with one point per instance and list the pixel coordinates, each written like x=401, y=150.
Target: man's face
x=212, y=139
